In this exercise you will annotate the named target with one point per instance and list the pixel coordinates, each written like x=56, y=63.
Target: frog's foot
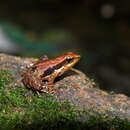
x=38, y=94
x=51, y=89
x=48, y=91
x=44, y=89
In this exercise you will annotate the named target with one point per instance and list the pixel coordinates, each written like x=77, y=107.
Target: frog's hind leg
x=31, y=81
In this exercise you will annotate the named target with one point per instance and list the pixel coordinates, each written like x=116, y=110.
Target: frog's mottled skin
x=41, y=75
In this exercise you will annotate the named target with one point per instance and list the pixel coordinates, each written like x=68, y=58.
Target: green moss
x=21, y=108
x=101, y=121
x=5, y=77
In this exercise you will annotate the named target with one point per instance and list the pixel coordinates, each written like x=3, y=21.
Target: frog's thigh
x=33, y=82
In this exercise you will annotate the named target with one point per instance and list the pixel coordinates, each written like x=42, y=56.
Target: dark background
x=98, y=30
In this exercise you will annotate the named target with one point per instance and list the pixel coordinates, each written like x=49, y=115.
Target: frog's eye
x=69, y=59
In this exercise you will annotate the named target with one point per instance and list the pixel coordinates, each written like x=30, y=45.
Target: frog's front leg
x=51, y=82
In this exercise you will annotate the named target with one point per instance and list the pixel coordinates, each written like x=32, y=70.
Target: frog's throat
x=72, y=63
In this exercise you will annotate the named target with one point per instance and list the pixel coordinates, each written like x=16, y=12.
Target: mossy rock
x=21, y=108
x=77, y=104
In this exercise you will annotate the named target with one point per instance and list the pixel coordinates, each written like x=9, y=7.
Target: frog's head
x=69, y=59
x=60, y=64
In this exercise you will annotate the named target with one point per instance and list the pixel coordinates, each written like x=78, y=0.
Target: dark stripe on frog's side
x=50, y=70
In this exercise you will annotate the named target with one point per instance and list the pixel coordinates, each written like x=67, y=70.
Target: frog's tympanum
x=41, y=75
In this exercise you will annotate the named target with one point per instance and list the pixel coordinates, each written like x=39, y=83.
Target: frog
x=40, y=75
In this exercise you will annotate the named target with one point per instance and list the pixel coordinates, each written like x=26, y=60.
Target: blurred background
x=98, y=30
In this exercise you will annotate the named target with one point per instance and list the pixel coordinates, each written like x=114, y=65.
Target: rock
x=75, y=87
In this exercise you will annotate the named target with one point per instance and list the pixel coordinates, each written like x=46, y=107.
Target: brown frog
x=41, y=75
